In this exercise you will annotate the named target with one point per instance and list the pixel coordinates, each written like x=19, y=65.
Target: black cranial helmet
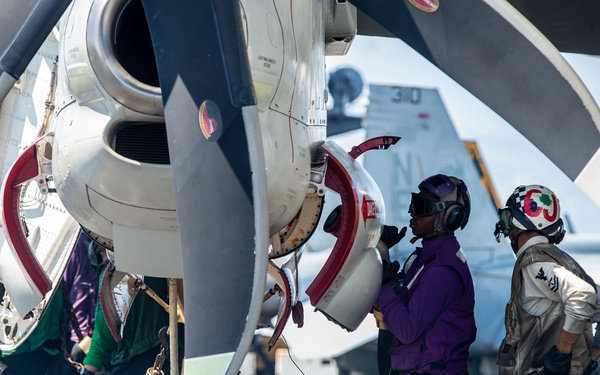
x=441, y=193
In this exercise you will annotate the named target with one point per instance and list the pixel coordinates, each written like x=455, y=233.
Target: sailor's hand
x=390, y=271
x=555, y=363
x=379, y=319
x=391, y=236
x=595, y=354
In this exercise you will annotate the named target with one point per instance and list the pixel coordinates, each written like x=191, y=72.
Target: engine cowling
x=110, y=159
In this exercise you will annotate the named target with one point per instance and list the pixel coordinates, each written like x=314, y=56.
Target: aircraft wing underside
x=572, y=26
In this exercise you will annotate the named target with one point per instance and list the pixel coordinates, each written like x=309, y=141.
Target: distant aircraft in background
x=429, y=145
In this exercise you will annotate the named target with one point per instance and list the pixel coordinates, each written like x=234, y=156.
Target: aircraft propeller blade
x=495, y=53
x=219, y=176
x=24, y=25
x=571, y=25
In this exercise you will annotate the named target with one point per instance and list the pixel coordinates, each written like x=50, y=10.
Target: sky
x=391, y=61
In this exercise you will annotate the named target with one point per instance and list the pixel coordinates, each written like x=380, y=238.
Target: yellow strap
x=379, y=319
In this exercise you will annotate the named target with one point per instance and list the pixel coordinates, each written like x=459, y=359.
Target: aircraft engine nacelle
x=290, y=91
x=111, y=162
x=110, y=156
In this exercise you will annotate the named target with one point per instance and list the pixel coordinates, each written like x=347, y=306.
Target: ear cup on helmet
x=454, y=217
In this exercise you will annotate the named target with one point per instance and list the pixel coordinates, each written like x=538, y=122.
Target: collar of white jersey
x=532, y=241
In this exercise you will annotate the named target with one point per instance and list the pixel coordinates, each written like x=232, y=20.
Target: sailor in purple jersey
x=65, y=328
x=428, y=306
x=80, y=282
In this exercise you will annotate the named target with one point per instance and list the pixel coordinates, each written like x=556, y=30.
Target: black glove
x=590, y=368
x=390, y=270
x=390, y=235
x=555, y=363
x=77, y=354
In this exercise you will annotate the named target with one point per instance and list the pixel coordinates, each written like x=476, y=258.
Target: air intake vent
x=143, y=142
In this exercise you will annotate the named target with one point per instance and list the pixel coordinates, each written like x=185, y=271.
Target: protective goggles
x=422, y=205
x=503, y=225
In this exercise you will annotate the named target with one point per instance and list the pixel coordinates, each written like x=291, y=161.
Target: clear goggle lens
x=504, y=224
x=505, y=220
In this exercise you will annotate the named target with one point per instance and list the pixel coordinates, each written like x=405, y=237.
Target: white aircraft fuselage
x=120, y=197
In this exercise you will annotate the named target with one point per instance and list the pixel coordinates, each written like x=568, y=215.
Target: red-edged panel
x=338, y=180
x=381, y=143
x=284, y=313
x=23, y=169
x=107, y=303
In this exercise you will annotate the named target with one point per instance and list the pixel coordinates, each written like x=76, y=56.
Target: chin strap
x=438, y=228
x=428, y=235
x=513, y=235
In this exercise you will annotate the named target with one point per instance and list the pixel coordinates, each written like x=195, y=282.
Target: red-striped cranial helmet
x=533, y=207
